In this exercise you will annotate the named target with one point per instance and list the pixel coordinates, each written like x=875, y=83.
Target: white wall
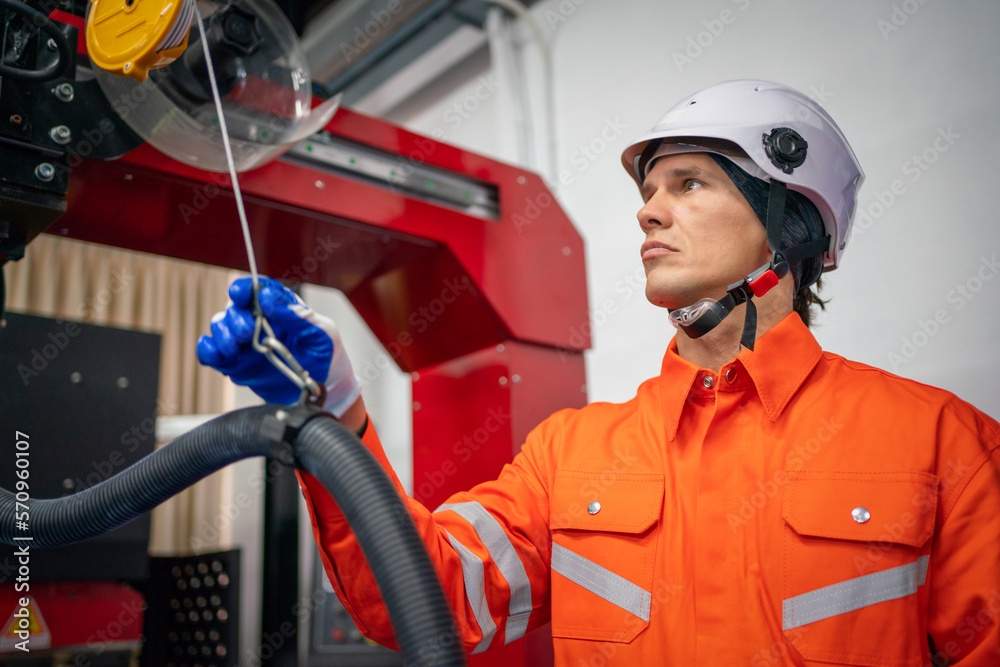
x=895, y=75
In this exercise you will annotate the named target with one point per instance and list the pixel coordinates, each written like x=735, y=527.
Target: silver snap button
x=594, y=507
x=709, y=382
x=861, y=514
x=731, y=375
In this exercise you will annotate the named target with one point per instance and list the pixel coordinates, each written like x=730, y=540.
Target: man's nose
x=654, y=213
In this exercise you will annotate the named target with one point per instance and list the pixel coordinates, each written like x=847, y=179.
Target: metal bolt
x=500, y=348
x=64, y=92
x=515, y=378
x=60, y=134
x=503, y=381
x=45, y=172
x=51, y=44
x=68, y=484
x=16, y=119
x=75, y=378
x=122, y=382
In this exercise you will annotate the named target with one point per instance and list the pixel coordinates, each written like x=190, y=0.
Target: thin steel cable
x=275, y=352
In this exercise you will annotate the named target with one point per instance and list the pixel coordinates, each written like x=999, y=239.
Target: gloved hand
x=311, y=338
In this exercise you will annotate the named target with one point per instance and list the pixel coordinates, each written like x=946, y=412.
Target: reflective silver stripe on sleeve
x=475, y=591
x=602, y=582
x=853, y=594
x=493, y=537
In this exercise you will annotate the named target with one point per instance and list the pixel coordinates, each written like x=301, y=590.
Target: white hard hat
x=785, y=134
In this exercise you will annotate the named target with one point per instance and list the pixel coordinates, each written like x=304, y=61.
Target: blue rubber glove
x=311, y=338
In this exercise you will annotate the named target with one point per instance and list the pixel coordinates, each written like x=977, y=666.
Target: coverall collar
x=777, y=366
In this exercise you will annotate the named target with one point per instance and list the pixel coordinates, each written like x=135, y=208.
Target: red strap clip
x=763, y=283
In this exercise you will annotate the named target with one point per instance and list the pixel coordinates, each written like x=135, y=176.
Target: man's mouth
x=651, y=249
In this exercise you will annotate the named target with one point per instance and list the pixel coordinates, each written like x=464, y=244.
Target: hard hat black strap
x=775, y=213
x=750, y=322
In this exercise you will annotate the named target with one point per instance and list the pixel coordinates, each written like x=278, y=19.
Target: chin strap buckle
x=766, y=277
x=700, y=318
x=758, y=283
x=762, y=283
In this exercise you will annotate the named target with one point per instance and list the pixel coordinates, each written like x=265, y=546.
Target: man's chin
x=673, y=300
x=663, y=300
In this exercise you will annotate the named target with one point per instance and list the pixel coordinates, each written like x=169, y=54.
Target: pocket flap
x=876, y=507
x=629, y=502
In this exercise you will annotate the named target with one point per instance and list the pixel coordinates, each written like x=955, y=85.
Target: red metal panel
x=527, y=263
x=90, y=616
x=471, y=414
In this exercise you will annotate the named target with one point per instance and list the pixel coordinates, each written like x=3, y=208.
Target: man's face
x=712, y=237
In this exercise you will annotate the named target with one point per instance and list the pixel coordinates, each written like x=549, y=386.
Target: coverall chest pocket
x=603, y=553
x=856, y=553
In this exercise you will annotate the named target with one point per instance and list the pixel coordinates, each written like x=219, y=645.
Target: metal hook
x=281, y=358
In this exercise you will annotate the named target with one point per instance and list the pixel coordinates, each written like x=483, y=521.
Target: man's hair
x=802, y=224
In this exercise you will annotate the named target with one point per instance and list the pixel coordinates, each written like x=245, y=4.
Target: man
x=759, y=502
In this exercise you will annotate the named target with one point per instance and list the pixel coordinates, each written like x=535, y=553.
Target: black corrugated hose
x=412, y=592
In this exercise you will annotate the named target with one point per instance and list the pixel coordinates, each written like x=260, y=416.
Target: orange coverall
x=795, y=508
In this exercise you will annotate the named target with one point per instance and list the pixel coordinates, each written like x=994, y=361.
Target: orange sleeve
x=964, y=613
x=490, y=547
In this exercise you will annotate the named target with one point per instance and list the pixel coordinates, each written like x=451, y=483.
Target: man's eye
x=691, y=184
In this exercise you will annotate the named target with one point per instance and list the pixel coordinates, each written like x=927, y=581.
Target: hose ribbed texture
x=417, y=606
x=142, y=486
x=406, y=577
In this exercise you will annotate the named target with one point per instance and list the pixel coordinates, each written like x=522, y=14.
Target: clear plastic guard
x=690, y=314
x=266, y=94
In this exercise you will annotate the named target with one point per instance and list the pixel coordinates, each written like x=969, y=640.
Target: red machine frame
x=485, y=314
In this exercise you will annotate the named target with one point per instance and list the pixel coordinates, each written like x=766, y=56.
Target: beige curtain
x=106, y=286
